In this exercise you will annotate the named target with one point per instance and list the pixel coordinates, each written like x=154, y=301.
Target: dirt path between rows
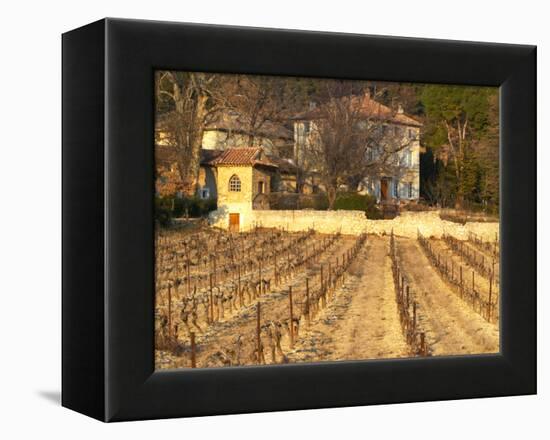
x=363, y=322
x=452, y=328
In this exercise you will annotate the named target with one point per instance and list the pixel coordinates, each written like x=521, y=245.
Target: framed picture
x=262, y=220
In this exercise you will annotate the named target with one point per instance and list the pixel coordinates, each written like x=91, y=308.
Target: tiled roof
x=370, y=109
x=242, y=156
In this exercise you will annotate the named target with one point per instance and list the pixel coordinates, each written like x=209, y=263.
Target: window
x=235, y=183
x=205, y=193
x=395, y=187
x=408, y=158
x=260, y=187
x=410, y=189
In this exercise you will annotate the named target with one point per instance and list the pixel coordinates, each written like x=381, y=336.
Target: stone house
x=282, y=177
x=243, y=177
x=399, y=180
x=226, y=130
x=232, y=130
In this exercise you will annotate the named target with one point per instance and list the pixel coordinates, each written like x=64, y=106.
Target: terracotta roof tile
x=242, y=156
x=371, y=109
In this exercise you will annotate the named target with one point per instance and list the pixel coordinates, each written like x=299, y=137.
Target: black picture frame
x=108, y=256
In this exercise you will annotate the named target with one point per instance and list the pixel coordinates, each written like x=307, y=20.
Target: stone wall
x=430, y=224
x=355, y=223
x=347, y=222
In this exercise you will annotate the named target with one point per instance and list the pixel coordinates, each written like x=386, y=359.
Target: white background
x=30, y=244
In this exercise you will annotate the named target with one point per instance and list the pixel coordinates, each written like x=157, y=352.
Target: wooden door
x=234, y=221
x=384, y=189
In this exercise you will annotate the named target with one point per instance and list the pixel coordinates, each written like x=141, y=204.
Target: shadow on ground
x=52, y=396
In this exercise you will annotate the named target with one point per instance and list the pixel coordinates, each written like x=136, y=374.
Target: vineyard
x=269, y=296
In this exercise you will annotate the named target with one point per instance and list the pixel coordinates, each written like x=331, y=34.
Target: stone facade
x=398, y=179
x=230, y=202
x=240, y=202
x=404, y=183
x=221, y=140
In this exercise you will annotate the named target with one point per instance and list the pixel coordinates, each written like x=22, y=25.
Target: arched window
x=235, y=183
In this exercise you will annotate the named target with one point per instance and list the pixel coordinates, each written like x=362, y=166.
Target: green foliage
x=454, y=103
x=346, y=201
x=162, y=213
x=318, y=202
x=469, y=177
x=170, y=207
x=283, y=201
x=358, y=202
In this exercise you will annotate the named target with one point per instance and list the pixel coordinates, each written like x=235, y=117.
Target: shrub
x=358, y=202
x=417, y=207
x=163, y=211
x=283, y=201
x=319, y=202
x=169, y=207
x=464, y=216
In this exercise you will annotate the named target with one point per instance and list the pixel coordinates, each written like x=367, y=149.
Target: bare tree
x=259, y=101
x=353, y=137
x=186, y=102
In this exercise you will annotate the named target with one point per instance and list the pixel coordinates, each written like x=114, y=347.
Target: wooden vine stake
x=169, y=311
x=461, y=281
x=260, y=276
x=489, y=305
x=188, y=270
x=211, y=301
x=258, y=333
x=239, y=285
x=193, y=351
x=291, y=326
x=307, y=302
